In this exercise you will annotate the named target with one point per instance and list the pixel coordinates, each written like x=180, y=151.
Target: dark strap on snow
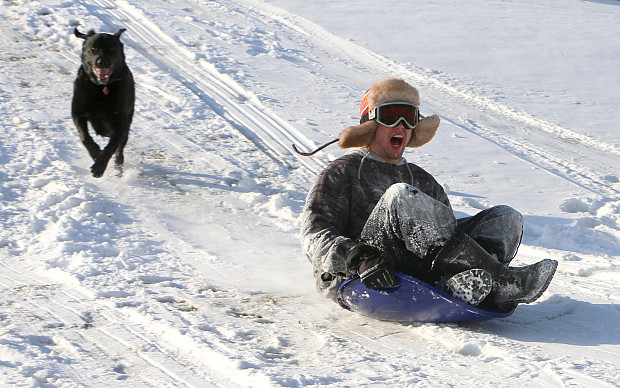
x=315, y=151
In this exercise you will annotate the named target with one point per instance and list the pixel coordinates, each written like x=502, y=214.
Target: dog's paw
x=97, y=170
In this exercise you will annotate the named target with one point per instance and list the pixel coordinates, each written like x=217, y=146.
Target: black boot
x=510, y=285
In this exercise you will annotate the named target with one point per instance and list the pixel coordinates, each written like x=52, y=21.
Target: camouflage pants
x=409, y=226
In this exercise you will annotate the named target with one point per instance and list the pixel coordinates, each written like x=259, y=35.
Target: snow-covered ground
x=187, y=270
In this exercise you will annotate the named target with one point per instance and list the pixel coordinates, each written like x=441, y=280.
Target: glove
x=374, y=270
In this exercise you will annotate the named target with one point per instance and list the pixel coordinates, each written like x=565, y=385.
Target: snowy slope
x=187, y=270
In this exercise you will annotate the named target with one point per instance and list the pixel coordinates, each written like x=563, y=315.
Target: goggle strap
x=364, y=118
x=369, y=115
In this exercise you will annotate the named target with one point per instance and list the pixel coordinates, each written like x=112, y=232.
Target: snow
x=187, y=270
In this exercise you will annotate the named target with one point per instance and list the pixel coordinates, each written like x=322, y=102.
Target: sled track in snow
x=124, y=350
x=180, y=332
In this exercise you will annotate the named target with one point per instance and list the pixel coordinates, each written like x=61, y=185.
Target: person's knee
x=411, y=203
x=400, y=189
x=511, y=216
x=403, y=193
x=512, y=222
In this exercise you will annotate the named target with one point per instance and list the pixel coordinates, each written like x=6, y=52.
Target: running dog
x=104, y=95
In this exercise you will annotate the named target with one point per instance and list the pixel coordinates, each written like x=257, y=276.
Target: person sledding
x=371, y=214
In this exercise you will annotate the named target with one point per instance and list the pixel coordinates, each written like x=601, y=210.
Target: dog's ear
x=81, y=35
x=119, y=32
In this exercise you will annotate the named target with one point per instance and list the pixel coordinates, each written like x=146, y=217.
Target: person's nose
x=400, y=125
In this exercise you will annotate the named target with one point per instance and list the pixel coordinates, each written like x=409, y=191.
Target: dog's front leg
x=92, y=147
x=98, y=168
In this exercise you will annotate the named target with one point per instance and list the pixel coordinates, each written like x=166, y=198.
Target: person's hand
x=376, y=272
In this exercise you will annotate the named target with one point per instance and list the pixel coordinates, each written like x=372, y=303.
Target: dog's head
x=102, y=54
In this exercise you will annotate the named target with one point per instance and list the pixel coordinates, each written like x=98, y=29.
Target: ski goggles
x=393, y=113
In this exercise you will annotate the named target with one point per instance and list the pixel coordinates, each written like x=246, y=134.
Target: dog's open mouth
x=102, y=74
x=397, y=141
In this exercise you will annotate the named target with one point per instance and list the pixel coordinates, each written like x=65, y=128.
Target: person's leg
x=406, y=225
x=498, y=230
x=510, y=285
x=415, y=230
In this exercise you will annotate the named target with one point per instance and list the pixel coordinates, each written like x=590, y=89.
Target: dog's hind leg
x=92, y=147
x=119, y=159
x=120, y=156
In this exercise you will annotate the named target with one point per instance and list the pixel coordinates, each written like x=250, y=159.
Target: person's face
x=390, y=143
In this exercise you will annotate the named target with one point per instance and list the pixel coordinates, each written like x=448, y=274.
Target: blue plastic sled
x=412, y=301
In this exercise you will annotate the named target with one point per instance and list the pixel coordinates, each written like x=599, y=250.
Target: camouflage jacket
x=341, y=201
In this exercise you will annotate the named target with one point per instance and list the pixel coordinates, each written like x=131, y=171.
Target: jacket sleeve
x=324, y=222
x=441, y=196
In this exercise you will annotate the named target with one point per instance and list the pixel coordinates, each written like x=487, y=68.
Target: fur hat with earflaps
x=384, y=91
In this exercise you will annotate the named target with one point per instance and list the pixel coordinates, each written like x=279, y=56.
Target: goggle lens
x=390, y=115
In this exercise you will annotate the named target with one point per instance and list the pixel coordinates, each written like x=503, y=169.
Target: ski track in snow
x=121, y=293
x=522, y=134
x=237, y=106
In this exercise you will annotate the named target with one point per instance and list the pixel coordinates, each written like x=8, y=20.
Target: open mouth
x=397, y=141
x=102, y=74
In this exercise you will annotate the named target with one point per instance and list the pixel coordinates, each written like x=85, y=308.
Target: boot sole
x=470, y=286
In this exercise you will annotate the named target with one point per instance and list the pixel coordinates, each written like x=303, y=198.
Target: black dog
x=104, y=95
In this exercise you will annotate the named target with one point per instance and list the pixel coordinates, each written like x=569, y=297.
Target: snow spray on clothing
x=408, y=226
x=340, y=202
x=400, y=209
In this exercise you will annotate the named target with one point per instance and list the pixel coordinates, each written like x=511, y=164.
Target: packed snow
x=187, y=269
